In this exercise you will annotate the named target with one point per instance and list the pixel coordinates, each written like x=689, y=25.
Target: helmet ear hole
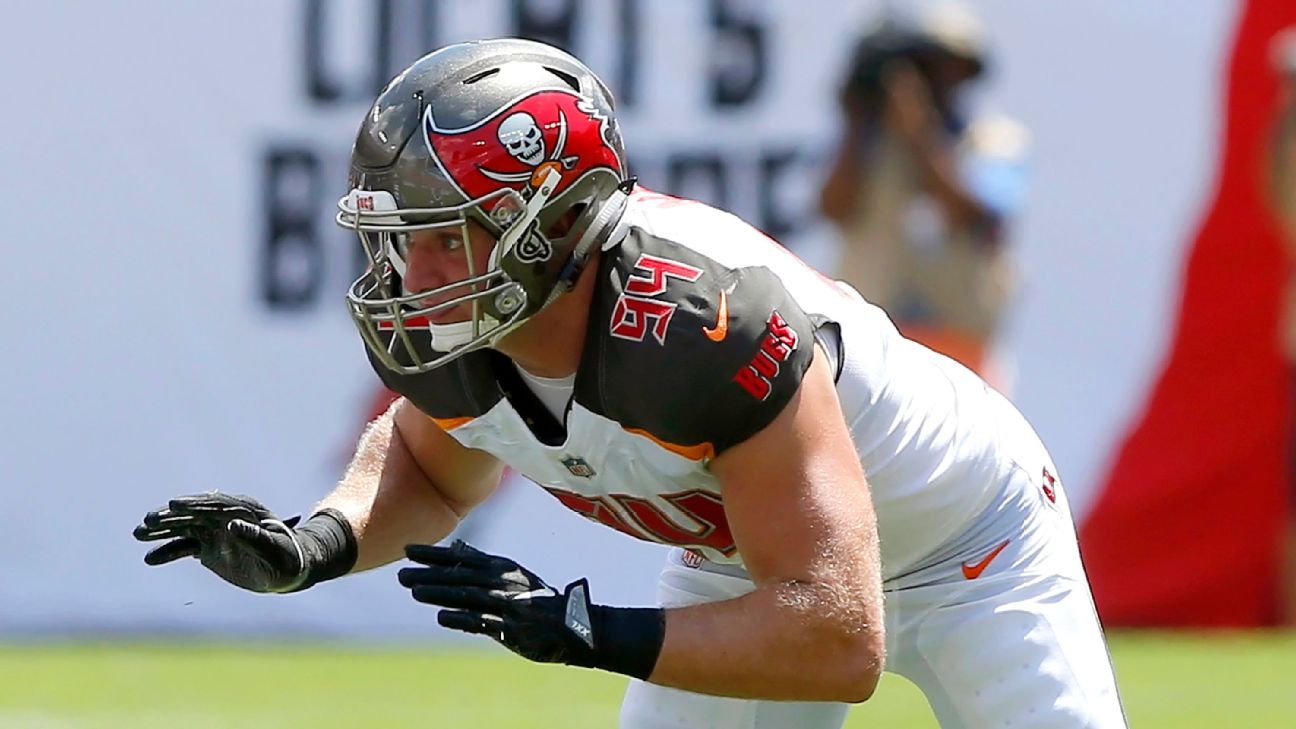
x=560, y=227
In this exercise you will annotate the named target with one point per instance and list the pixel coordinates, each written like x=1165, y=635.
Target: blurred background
x=1093, y=204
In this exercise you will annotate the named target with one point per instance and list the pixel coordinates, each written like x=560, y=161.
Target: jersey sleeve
x=733, y=350
x=756, y=377
x=450, y=395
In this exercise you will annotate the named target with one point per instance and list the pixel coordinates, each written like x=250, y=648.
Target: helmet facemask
x=392, y=319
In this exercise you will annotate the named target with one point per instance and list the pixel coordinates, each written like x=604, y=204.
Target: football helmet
x=514, y=135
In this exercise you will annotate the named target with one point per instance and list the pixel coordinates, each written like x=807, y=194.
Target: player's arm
x=800, y=512
x=912, y=116
x=409, y=481
x=840, y=193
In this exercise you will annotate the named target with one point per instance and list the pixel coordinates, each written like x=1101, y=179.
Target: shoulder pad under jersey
x=693, y=353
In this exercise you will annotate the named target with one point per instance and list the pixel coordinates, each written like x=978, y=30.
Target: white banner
x=174, y=282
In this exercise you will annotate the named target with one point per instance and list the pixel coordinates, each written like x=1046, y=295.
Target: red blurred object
x=1188, y=527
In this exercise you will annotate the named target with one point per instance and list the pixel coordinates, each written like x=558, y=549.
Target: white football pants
x=1018, y=645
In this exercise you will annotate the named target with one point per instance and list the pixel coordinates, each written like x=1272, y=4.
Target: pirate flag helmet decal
x=514, y=136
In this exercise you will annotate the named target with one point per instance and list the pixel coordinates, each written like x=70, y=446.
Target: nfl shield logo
x=578, y=466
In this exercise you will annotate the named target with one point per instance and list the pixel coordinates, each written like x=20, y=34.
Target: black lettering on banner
x=547, y=21
x=292, y=257
x=351, y=50
x=399, y=32
x=739, y=53
x=774, y=220
x=382, y=44
x=685, y=170
x=627, y=69
x=780, y=173
x=406, y=33
x=319, y=86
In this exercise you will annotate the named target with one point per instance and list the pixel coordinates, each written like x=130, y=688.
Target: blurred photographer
x=921, y=193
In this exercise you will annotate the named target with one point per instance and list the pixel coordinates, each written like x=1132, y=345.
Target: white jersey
x=701, y=329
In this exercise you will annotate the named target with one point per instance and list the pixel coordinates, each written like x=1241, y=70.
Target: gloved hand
x=245, y=544
x=496, y=596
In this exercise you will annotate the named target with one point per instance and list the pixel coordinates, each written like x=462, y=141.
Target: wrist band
x=329, y=546
x=627, y=640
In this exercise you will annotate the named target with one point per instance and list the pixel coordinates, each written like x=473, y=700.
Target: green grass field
x=1168, y=681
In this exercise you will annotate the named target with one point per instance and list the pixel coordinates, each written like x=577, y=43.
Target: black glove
x=245, y=544
x=496, y=596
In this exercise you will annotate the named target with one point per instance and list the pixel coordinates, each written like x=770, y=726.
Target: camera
x=945, y=48
x=864, y=86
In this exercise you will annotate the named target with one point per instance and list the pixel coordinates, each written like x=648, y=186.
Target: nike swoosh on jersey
x=721, y=329
x=973, y=570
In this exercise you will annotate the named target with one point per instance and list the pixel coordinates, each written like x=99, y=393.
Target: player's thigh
x=1024, y=651
x=648, y=706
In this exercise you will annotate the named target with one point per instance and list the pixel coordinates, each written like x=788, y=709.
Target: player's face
x=441, y=256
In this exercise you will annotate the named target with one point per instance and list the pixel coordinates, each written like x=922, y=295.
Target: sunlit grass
x=1179, y=681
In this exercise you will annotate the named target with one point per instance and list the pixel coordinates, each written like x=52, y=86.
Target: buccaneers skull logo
x=522, y=137
x=514, y=145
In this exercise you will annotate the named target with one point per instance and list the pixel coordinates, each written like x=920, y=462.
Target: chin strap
x=602, y=232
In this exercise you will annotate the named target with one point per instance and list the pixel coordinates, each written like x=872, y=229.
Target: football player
x=841, y=500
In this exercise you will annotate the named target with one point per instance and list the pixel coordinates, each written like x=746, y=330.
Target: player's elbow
x=861, y=669
x=841, y=642
x=868, y=675
x=849, y=664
